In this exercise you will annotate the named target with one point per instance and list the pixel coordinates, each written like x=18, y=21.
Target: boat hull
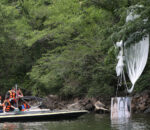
x=25, y=117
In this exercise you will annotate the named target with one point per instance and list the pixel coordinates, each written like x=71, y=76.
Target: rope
x=122, y=81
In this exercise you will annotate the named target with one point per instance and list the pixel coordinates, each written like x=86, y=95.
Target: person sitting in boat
x=1, y=108
x=11, y=94
x=24, y=107
x=1, y=105
x=7, y=106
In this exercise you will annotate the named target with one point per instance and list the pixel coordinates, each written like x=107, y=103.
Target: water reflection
x=135, y=123
x=9, y=126
x=121, y=124
x=23, y=126
x=87, y=122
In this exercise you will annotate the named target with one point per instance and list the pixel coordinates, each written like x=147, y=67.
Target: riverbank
x=53, y=102
x=140, y=103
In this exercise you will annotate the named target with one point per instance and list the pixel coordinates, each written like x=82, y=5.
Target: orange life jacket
x=7, y=109
x=12, y=94
x=25, y=106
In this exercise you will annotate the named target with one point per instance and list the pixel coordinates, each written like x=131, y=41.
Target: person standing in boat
x=7, y=106
x=0, y=100
x=19, y=93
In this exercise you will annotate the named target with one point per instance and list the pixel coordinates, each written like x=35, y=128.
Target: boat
x=40, y=115
x=36, y=113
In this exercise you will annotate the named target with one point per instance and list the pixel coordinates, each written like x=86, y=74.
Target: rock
x=142, y=106
x=148, y=100
x=81, y=104
x=53, y=97
x=98, y=105
x=147, y=110
x=75, y=106
x=140, y=102
x=136, y=96
x=146, y=96
x=52, y=102
x=89, y=107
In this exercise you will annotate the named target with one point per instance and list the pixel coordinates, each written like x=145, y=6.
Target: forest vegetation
x=67, y=47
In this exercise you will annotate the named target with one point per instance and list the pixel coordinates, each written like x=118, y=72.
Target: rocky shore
x=140, y=103
x=53, y=102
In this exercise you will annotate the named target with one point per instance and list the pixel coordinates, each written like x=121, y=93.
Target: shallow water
x=86, y=122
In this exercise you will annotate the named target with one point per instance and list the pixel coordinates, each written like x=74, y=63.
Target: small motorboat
x=35, y=113
x=40, y=115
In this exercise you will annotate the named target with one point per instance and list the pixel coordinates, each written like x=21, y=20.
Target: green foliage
x=65, y=47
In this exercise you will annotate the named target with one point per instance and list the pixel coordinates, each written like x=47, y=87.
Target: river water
x=86, y=122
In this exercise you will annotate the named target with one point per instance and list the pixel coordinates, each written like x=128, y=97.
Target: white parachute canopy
x=136, y=56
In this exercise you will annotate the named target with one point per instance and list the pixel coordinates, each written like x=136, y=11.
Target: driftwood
x=100, y=106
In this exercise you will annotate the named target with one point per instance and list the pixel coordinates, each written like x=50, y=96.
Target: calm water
x=86, y=122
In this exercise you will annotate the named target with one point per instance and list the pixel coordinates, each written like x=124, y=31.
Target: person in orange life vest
x=24, y=107
x=7, y=106
x=11, y=94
